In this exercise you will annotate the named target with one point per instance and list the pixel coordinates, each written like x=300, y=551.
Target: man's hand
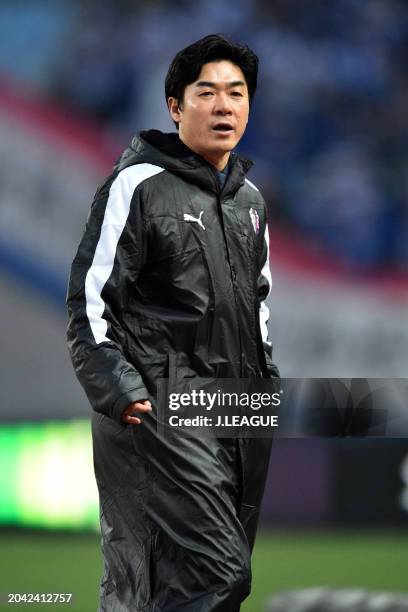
x=128, y=415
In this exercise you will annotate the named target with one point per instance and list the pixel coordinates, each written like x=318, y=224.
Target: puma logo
x=188, y=217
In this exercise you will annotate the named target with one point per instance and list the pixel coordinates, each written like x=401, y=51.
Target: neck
x=218, y=160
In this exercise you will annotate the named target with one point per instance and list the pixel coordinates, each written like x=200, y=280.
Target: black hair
x=186, y=66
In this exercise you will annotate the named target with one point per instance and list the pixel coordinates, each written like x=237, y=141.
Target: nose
x=222, y=104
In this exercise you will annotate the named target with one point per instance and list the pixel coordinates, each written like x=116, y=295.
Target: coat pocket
x=248, y=517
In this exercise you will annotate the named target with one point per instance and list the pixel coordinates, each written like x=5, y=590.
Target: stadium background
x=328, y=135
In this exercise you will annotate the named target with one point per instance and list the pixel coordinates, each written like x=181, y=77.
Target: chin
x=226, y=147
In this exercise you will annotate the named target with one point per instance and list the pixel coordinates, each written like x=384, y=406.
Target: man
x=170, y=281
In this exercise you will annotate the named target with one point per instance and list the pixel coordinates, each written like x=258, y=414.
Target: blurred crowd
x=329, y=125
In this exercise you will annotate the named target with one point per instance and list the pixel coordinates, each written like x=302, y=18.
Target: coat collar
x=169, y=152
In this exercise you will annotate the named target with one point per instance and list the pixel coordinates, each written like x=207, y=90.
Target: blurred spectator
x=330, y=118
x=95, y=74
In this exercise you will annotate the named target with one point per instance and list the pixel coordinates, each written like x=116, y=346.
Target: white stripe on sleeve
x=263, y=309
x=251, y=184
x=114, y=221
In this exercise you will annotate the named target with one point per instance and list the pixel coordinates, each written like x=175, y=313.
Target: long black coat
x=171, y=274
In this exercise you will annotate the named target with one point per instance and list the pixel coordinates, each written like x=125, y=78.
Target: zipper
x=233, y=273
x=234, y=277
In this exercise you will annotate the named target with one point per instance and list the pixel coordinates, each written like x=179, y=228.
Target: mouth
x=223, y=128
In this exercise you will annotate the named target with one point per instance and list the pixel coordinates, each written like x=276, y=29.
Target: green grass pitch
x=71, y=563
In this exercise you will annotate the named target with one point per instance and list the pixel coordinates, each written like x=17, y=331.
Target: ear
x=174, y=109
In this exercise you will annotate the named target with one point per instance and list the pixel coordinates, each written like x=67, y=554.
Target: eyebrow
x=213, y=85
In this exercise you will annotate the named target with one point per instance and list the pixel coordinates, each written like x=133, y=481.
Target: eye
x=236, y=94
x=206, y=93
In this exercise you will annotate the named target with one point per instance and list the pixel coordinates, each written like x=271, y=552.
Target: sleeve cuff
x=134, y=395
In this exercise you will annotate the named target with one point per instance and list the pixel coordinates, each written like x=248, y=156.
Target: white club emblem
x=190, y=218
x=254, y=219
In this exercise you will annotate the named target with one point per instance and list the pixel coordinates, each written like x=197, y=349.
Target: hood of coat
x=169, y=152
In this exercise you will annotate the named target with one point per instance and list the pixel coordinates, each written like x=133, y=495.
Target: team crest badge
x=254, y=219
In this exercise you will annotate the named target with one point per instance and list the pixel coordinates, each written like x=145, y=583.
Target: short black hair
x=186, y=66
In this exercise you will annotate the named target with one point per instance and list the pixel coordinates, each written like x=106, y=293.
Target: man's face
x=214, y=111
